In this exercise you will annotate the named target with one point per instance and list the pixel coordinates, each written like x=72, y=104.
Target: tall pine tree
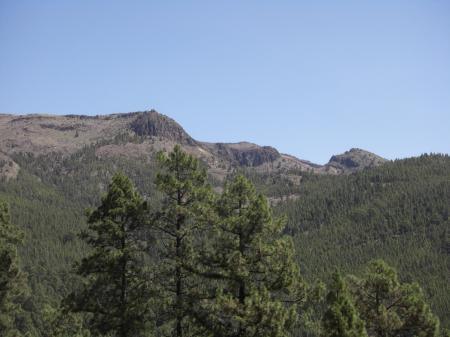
x=341, y=318
x=391, y=308
x=115, y=292
x=179, y=227
x=250, y=268
x=13, y=283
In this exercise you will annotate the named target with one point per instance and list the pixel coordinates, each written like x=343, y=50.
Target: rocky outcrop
x=353, y=160
x=245, y=154
x=256, y=156
x=8, y=168
x=154, y=124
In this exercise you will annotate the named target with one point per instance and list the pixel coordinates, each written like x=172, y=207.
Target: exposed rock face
x=246, y=154
x=154, y=124
x=8, y=168
x=353, y=160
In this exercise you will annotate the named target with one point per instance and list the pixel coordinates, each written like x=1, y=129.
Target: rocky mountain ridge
x=353, y=160
x=141, y=134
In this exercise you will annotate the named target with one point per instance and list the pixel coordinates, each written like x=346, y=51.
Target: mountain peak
x=353, y=160
x=153, y=124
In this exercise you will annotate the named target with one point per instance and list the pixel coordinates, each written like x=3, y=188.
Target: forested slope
x=398, y=212
x=48, y=200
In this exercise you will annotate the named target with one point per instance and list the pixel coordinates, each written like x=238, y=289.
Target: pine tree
x=311, y=308
x=179, y=226
x=13, y=285
x=341, y=318
x=58, y=322
x=250, y=267
x=391, y=308
x=115, y=293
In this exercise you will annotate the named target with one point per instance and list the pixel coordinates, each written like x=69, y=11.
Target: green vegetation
x=251, y=267
x=341, y=318
x=391, y=308
x=15, y=319
x=179, y=226
x=398, y=212
x=115, y=290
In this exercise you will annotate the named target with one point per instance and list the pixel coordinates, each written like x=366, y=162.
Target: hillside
x=342, y=214
x=139, y=135
x=398, y=212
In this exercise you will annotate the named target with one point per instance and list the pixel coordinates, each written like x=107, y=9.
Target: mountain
x=353, y=160
x=355, y=208
x=142, y=134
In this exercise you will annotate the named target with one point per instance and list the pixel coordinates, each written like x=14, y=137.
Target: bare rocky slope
x=142, y=134
x=353, y=160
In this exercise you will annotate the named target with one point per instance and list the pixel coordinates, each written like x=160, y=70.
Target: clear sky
x=311, y=78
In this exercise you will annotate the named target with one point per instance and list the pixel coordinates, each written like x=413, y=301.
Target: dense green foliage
x=341, y=318
x=178, y=227
x=115, y=287
x=221, y=266
x=252, y=265
x=391, y=308
x=398, y=212
x=15, y=319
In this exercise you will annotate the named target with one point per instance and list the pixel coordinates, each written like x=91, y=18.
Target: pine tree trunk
x=178, y=276
x=241, y=292
x=123, y=285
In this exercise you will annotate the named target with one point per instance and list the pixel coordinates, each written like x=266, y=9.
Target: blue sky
x=311, y=78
